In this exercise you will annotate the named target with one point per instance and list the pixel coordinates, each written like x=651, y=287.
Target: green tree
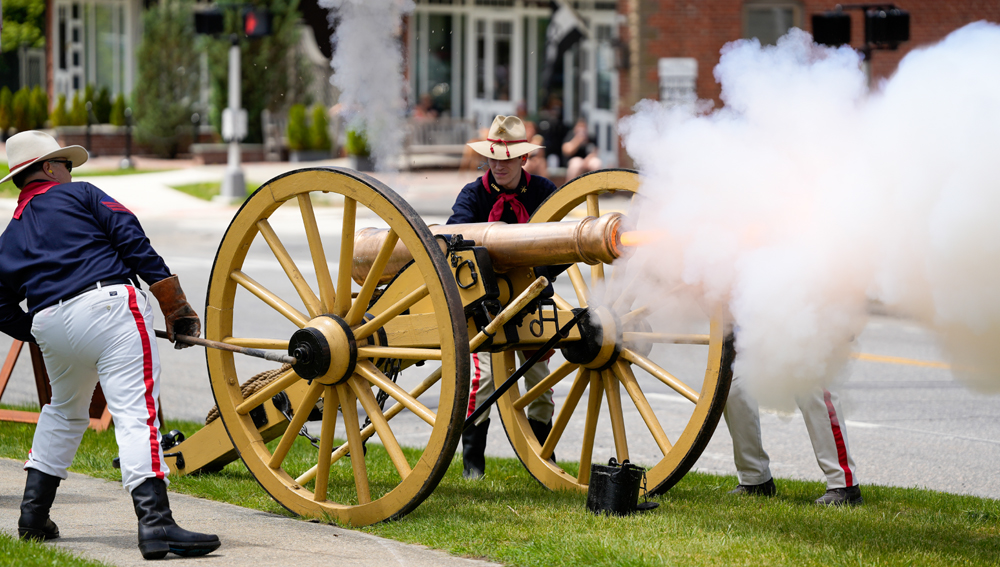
x=23, y=24
x=298, y=133
x=167, y=62
x=272, y=60
x=39, y=107
x=60, y=117
x=102, y=106
x=6, y=109
x=22, y=109
x=117, y=116
x=319, y=134
x=77, y=111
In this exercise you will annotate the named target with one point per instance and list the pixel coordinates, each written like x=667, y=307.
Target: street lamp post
x=234, y=129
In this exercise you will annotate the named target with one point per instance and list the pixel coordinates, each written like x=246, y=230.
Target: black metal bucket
x=614, y=489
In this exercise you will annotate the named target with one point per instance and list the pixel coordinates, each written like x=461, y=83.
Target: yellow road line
x=898, y=360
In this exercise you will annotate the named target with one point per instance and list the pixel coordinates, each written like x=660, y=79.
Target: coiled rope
x=250, y=387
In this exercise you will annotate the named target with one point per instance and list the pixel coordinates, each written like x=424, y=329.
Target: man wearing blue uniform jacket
x=76, y=255
x=509, y=194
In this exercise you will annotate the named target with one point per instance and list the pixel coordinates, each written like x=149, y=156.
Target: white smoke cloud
x=806, y=196
x=368, y=70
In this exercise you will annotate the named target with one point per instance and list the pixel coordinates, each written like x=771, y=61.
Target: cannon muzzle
x=590, y=240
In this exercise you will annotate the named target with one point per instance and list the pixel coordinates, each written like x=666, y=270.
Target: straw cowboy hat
x=32, y=146
x=507, y=140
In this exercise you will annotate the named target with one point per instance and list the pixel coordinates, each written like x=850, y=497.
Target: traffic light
x=832, y=28
x=256, y=22
x=887, y=28
x=209, y=22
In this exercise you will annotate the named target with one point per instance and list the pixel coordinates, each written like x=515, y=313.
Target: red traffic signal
x=256, y=22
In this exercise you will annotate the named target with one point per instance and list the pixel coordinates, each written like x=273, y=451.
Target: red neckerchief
x=504, y=197
x=33, y=188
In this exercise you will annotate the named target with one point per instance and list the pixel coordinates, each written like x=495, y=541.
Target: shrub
x=22, y=109
x=77, y=111
x=357, y=143
x=39, y=107
x=102, y=106
x=298, y=135
x=319, y=134
x=117, y=116
x=59, y=115
x=168, y=63
x=6, y=109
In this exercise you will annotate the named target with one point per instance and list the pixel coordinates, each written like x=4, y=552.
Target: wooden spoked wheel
x=282, y=276
x=663, y=393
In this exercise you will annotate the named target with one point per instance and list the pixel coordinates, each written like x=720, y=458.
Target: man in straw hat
x=76, y=255
x=504, y=193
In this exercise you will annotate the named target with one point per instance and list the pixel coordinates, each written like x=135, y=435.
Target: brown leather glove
x=180, y=317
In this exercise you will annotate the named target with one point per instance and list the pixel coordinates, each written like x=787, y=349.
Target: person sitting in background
x=579, y=149
x=536, y=164
x=424, y=110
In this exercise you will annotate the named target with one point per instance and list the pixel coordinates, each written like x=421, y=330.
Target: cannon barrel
x=591, y=240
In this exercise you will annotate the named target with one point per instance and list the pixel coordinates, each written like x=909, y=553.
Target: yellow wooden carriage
x=382, y=324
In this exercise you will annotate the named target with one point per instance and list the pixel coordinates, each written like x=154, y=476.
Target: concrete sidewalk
x=96, y=520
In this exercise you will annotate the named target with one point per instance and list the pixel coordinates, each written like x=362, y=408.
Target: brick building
x=673, y=46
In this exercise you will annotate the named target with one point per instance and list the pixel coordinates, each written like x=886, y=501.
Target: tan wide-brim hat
x=507, y=139
x=32, y=146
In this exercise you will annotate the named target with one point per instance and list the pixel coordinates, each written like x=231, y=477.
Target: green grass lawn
x=208, y=190
x=509, y=518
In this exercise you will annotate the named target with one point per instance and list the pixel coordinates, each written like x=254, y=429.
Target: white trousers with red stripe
x=824, y=422
x=482, y=387
x=103, y=335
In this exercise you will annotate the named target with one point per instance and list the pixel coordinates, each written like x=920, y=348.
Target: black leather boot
x=39, y=492
x=474, y=450
x=158, y=533
x=541, y=431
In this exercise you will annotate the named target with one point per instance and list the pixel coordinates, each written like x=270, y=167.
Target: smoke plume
x=368, y=69
x=807, y=196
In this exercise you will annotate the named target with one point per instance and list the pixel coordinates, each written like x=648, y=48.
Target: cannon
x=381, y=312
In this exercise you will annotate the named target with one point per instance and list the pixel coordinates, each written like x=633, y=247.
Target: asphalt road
x=909, y=422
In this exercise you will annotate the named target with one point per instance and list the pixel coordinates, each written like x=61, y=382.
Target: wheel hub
x=600, y=343
x=324, y=350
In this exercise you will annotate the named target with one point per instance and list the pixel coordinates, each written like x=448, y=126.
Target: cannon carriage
x=381, y=313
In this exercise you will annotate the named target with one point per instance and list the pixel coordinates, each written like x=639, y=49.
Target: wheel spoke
x=594, y=210
x=374, y=375
x=561, y=303
x=624, y=374
x=343, y=301
x=350, y=410
x=375, y=353
x=672, y=338
x=323, y=279
x=298, y=420
x=627, y=296
x=369, y=430
x=660, y=374
x=266, y=344
x=635, y=313
x=371, y=281
x=613, y=392
x=590, y=425
x=565, y=413
x=384, y=317
x=364, y=393
x=265, y=295
x=330, y=404
x=540, y=388
x=267, y=392
x=580, y=286
x=291, y=270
